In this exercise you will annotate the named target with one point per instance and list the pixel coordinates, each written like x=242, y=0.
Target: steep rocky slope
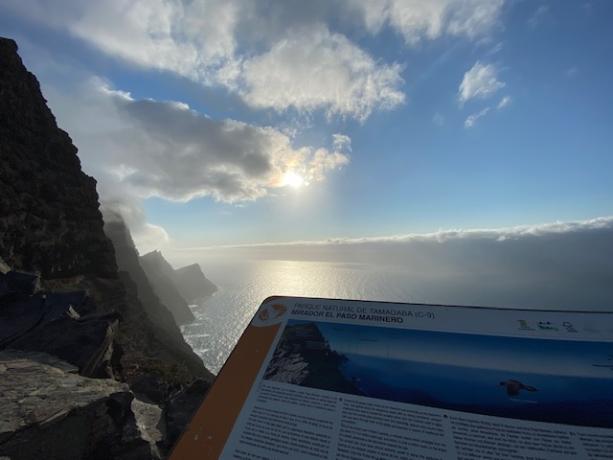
x=162, y=321
x=192, y=283
x=162, y=277
x=50, y=223
x=49, y=217
x=82, y=311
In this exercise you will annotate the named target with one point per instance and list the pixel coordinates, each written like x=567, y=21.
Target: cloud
x=472, y=119
x=275, y=55
x=192, y=39
x=559, y=264
x=314, y=69
x=146, y=236
x=417, y=20
x=538, y=16
x=165, y=149
x=504, y=102
x=141, y=148
x=480, y=82
x=341, y=142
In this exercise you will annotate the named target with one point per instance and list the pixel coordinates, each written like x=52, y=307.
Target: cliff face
x=50, y=223
x=162, y=277
x=162, y=321
x=49, y=217
x=82, y=310
x=192, y=283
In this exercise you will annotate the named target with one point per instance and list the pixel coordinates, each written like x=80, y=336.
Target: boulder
x=51, y=412
x=84, y=342
x=53, y=323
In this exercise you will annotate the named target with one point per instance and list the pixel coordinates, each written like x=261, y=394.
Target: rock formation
x=162, y=322
x=192, y=283
x=50, y=220
x=50, y=223
x=162, y=278
x=51, y=412
x=61, y=292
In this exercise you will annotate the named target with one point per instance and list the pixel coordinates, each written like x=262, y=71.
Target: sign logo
x=269, y=314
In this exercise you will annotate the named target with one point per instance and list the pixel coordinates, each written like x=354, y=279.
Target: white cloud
x=276, y=55
x=341, y=142
x=481, y=81
x=165, y=149
x=146, y=236
x=314, y=69
x=473, y=118
x=504, y=102
x=417, y=20
x=145, y=148
x=192, y=39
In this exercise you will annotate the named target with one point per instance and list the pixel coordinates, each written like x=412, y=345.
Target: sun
x=293, y=179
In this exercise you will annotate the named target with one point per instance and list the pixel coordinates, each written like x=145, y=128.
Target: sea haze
x=244, y=284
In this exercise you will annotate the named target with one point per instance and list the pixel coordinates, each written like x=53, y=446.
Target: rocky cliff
x=192, y=283
x=163, y=324
x=50, y=223
x=51, y=412
x=87, y=316
x=162, y=277
x=49, y=217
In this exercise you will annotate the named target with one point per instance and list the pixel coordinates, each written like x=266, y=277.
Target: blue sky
x=555, y=357
x=416, y=150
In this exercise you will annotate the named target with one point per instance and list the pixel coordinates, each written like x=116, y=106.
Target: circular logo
x=269, y=314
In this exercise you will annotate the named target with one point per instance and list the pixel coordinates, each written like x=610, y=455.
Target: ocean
x=244, y=284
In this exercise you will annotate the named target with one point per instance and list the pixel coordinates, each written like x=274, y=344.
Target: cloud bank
x=566, y=265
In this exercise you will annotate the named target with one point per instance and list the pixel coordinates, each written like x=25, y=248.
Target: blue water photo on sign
x=559, y=381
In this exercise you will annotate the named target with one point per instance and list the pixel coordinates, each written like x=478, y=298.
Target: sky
x=220, y=123
x=555, y=357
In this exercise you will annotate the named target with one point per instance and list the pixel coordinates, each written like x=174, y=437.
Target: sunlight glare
x=293, y=179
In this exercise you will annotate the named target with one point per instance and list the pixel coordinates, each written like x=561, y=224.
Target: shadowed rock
x=192, y=283
x=180, y=409
x=162, y=321
x=161, y=275
x=51, y=412
x=50, y=224
x=49, y=217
